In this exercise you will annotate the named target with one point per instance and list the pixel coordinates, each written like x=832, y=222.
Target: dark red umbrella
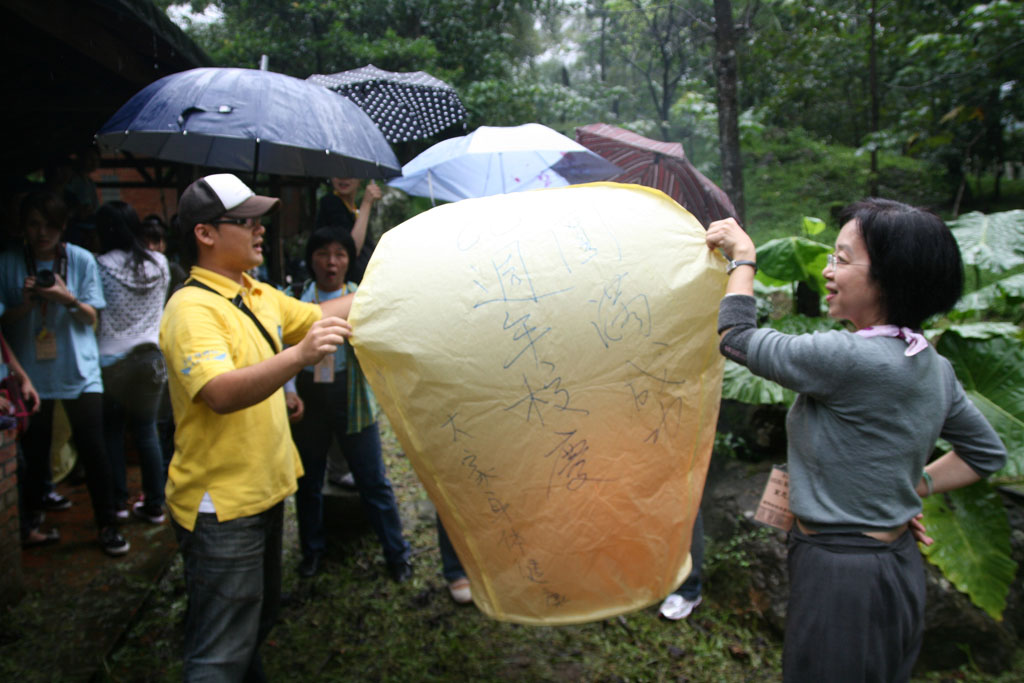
x=661, y=165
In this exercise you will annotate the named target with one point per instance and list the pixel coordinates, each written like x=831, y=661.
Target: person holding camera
x=50, y=294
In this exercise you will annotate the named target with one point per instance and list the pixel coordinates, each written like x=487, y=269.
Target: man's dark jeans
x=233, y=579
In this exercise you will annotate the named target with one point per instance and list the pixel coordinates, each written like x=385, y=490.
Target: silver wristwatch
x=733, y=265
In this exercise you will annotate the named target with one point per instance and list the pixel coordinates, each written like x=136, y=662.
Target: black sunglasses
x=244, y=222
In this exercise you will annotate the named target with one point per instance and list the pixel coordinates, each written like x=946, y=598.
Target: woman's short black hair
x=49, y=205
x=324, y=236
x=915, y=260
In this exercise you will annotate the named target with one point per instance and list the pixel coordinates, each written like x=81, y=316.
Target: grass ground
x=351, y=623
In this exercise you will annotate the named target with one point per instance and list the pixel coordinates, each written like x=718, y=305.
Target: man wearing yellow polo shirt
x=234, y=461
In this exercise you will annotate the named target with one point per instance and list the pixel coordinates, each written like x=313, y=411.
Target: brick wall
x=161, y=201
x=11, y=582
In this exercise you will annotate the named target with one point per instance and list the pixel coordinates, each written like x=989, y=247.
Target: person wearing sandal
x=52, y=296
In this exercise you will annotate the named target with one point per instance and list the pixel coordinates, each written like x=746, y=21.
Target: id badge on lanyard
x=323, y=371
x=45, y=340
x=46, y=343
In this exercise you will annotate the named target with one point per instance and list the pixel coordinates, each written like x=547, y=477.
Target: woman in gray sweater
x=871, y=405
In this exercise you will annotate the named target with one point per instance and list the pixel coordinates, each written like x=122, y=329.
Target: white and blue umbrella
x=499, y=160
x=249, y=120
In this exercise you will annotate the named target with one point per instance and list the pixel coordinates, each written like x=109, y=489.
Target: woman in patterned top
x=135, y=284
x=336, y=403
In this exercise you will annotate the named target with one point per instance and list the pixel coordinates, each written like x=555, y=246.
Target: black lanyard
x=60, y=261
x=237, y=301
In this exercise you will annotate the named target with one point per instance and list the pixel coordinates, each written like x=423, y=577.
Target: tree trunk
x=873, y=83
x=728, y=105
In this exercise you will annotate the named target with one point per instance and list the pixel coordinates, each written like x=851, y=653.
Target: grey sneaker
x=112, y=542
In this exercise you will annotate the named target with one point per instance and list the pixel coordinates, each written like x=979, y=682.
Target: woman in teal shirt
x=337, y=404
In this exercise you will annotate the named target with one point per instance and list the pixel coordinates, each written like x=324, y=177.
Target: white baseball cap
x=221, y=194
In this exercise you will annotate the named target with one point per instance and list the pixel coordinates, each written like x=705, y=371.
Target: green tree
x=965, y=76
x=459, y=41
x=664, y=43
x=930, y=78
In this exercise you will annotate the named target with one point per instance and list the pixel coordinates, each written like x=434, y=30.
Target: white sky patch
x=183, y=16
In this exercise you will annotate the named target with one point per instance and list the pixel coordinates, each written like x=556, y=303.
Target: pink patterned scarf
x=916, y=343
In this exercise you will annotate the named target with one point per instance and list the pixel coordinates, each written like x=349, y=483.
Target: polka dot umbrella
x=404, y=105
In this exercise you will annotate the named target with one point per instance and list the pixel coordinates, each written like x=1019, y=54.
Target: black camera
x=45, y=279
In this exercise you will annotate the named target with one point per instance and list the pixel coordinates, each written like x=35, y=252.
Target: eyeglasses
x=244, y=222
x=834, y=262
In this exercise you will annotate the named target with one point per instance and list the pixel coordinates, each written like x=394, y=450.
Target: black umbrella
x=406, y=105
x=248, y=120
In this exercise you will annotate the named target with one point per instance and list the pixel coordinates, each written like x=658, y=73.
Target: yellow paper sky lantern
x=549, y=363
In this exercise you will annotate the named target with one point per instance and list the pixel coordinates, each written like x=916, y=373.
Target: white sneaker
x=460, y=591
x=346, y=481
x=677, y=607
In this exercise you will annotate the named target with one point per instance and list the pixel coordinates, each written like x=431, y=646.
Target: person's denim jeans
x=451, y=567
x=147, y=443
x=132, y=390
x=691, y=587
x=233, y=581
x=326, y=417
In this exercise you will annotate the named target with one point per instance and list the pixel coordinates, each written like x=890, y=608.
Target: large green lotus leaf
x=740, y=384
x=1009, y=290
x=994, y=242
x=992, y=372
x=813, y=226
x=794, y=259
x=982, y=331
x=972, y=544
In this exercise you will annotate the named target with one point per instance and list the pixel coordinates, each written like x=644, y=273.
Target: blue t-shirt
x=76, y=369
x=315, y=294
